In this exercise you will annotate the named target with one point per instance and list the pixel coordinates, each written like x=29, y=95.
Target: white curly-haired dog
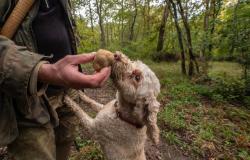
x=122, y=126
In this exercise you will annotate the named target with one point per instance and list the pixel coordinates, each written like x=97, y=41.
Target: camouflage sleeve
x=16, y=67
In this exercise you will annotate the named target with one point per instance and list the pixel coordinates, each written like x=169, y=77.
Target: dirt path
x=163, y=151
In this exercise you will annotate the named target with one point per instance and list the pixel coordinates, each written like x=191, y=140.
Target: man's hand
x=65, y=73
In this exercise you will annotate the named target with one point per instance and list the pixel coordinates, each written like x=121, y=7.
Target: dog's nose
x=117, y=57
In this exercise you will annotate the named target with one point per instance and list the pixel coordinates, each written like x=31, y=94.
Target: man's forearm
x=17, y=64
x=47, y=74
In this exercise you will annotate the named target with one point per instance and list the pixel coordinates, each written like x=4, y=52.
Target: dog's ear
x=153, y=131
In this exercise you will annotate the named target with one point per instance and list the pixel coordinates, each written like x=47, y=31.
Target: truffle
x=103, y=58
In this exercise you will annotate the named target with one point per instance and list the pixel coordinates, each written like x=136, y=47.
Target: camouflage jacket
x=18, y=75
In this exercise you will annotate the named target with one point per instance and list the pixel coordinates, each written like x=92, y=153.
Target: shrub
x=224, y=89
x=247, y=101
x=164, y=56
x=230, y=89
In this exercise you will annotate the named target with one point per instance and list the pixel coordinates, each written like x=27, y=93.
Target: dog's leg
x=93, y=104
x=85, y=119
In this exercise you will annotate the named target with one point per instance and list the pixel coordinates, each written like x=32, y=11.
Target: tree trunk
x=131, y=35
x=192, y=58
x=99, y=4
x=122, y=24
x=214, y=12
x=179, y=34
x=119, y=30
x=91, y=16
x=107, y=34
x=206, y=37
x=111, y=32
x=205, y=28
x=148, y=17
x=235, y=28
x=162, y=28
x=144, y=19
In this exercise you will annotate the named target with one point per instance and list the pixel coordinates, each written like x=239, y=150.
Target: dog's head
x=138, y=85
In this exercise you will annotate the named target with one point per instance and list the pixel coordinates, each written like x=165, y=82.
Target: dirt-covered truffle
x=103, y=59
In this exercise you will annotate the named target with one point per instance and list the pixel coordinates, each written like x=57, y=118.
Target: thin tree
x=205, y=27
x=148, y=15
x=235, y=29
x=192, y=59
x=107, y=34
x=131, y=35
x=91, y=15
x=179, y=34
x=162, y=27
x=215, y=7
x=204, y=65
x=122, y=22
x=99, y=6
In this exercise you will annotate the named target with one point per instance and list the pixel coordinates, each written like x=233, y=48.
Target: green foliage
x=233, y=30
x=82, y=142
x=172, y=117
x=243, y=154
x=88, y=40
x=247, y=101
x=140, y=49
x=171, y=137
x=225, y=84
x=227, y=36
x=230, y=89
x=206, y=132
x=198, y=124
x=224, y=89
x=185, y=91
x=89, y=150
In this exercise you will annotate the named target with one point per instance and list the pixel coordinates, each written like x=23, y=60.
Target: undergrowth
x=88, y=150
x=200, y=118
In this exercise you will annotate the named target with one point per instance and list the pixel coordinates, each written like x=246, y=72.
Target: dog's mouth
x=117, y=71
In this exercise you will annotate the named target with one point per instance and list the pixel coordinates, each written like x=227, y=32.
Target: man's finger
x=97, y=79
x=106, y=78
x=83, y=58
x=102, y=76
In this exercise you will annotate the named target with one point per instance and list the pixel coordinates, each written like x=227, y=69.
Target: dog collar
x=127, y=120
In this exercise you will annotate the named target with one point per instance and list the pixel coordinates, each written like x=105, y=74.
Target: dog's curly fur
x=122, y=125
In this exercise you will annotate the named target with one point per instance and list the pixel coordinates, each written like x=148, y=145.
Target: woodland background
x=199, y=49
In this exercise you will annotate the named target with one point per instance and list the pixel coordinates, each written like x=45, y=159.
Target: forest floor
x=201, y=122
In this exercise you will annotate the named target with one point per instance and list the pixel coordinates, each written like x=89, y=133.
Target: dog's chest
x=109, y=127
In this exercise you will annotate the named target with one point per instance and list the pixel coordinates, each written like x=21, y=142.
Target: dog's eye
x=137, y=78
